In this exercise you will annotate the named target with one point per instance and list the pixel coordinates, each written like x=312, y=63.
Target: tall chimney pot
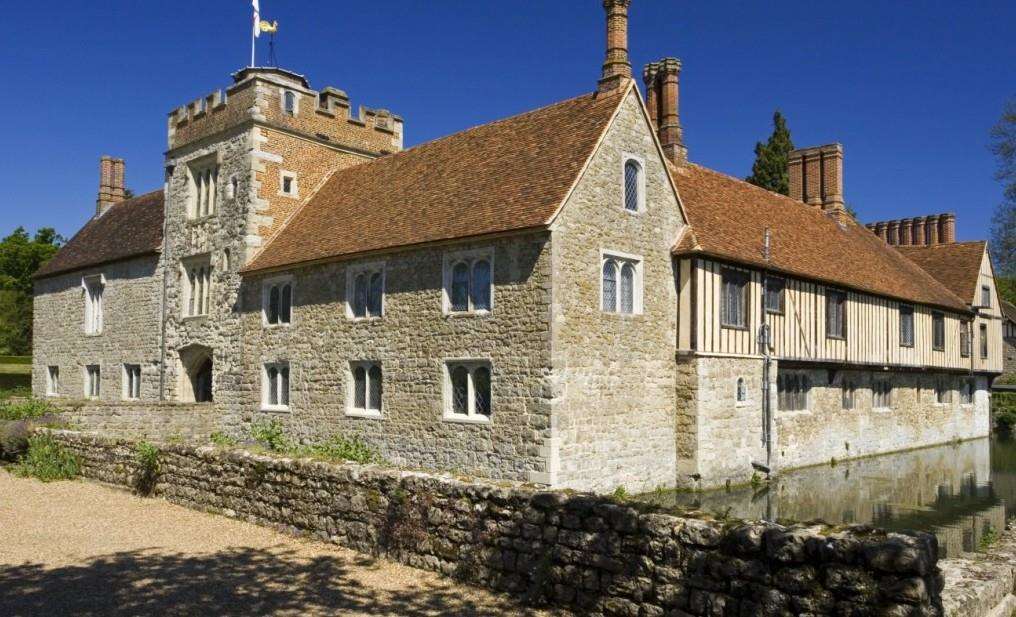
x=111, y=184
x=893, y=232
x=649, y=75
x=947, y=228
x=671, y=134
x=906, y=225
x=917, y=237
x=616, y=66
x=881, y=232
x=931, y=225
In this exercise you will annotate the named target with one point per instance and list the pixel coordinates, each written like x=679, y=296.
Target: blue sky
x=911, y=89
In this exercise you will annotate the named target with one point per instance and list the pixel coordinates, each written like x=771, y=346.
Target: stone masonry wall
x=130, y=329
x=578, y=551
x=614, y=410
x=143, y=420
x=1009, y=356
x=411, y=342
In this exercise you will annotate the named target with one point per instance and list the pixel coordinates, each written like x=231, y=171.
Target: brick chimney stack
x=931, y=224
x=906, y=225
x=616, y=66
x=816, y=178
x=880, y=231
x=111, y=184
x=893, y=233
x=918, y=231
x=649, y=74
x=662, y=81
x=917, y=236
x=947, y=228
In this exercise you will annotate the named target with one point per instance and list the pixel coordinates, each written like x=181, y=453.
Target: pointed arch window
x=468, y=395
x=365, y=288
x=621, y=284
x=278, y=301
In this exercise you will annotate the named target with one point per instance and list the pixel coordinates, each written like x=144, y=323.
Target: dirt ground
x=79, y=548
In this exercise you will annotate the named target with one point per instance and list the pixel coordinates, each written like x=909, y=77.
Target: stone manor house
x=561, y=297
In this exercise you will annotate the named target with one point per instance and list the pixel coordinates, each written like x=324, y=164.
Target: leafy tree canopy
x=770, y=168
x=20, y=256
x=1003, y=232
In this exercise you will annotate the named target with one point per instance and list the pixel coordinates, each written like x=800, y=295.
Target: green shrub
x=221, y=439
x=340, y=448
x=13, y=386
x=146, y=455
x=270, y=434
x=20, y=410
x=47, y=460
x=1004, y=407
x=14, y=436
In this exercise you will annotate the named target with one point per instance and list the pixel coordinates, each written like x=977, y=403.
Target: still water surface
x=957, y=491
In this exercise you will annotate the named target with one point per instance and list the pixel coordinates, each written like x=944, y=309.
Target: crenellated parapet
x=917, y=231
x=283, y=99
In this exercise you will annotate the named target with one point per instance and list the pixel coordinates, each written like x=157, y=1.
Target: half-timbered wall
x=990, y=316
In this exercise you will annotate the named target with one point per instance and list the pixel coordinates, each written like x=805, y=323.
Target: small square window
x=288, y=185
x=53, y=380
x=131, y=382
x=775, y=289
x=275, y=386
x=468, y=391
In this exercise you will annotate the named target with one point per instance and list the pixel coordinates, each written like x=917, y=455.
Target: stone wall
x=130, y=329
x=1009, y=356
x=143, y=420
x=614, y=408
x=577, y=551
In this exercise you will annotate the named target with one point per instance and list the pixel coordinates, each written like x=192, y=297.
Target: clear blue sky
x=911, y=89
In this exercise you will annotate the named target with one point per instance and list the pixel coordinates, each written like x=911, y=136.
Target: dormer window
x=634, y=184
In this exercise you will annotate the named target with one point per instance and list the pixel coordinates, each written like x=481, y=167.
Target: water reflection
x=958, y=491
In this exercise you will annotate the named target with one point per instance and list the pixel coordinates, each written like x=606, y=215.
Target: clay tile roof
x=1009, y=310
x=508, y=175
x=956, y=265
x=130, y=228
x=730, y=216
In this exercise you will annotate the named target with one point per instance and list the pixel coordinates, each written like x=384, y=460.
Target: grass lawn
x=15, y=375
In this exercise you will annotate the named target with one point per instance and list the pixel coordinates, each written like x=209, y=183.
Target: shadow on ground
x=231, y=582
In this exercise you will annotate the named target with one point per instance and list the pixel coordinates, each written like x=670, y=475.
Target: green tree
x=770, y=168
x=20, y=257
x=1003, y=224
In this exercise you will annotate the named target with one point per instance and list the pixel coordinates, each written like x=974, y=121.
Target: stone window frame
x=638, y=297
x=197, y=168
x=92, y=381
x=52, y=380
x=282, y=367
x=202, y=280
x=366, y=411
x=282, y=102
x=130, y=389
x=266, y=290
x=93, y=291
x=741, y=396
x=641, y=197
x=368, y=269
x=471, y=365
x=294, y=192
x=470, y=257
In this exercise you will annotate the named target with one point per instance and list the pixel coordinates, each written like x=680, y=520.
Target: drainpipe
x=165, y=283
x=763, y=343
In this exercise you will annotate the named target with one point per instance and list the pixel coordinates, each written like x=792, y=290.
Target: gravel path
x=78, y=548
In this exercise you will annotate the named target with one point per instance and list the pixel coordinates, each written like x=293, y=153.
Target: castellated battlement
x=282, y=99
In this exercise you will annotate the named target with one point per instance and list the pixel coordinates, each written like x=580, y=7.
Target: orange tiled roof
x=130, y=228
x=730, y=217
x=956, y=265
x=508, y=175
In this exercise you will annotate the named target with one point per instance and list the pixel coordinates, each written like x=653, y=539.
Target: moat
x=959, y=491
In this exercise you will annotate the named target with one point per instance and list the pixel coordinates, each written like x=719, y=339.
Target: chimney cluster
x=816, y=178
x=662, y=96
x=111, y=184
x=616, y=67
x=917, y=231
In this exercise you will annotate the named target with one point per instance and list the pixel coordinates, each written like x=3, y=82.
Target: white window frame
x=294, y=185
x=94, y=302
x=202, y=198
x=641, y=202
x=202, y=283
x=130, y=390
x=470, y=257
x=471, y=416
x=282, y=102
x=366, y=411
x=266, y=386
x=266, y=290
x=52, y=381
x=637, y=294
x=368, y=269
x=91, y=385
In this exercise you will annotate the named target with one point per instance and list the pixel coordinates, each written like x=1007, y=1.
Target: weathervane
x=263, y=25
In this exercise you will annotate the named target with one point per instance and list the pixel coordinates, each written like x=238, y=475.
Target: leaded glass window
x=374, y=392
x=627, y=289
x=906, y=325
x=609, y=286
x=480, y=287
x=632, y=185
x=376, y=293
x=460, y=287
x=734, y=302
x=481, y=387
x=360, y=296
x=460, y=390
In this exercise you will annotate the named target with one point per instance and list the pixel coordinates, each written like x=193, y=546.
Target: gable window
x=288, y=186
x=367, y=388
x=53, y=380
x=93, y=381
x=277, y=302
x=984, y=341
x=275, y=386
x=985, y=296
x=467, y=390
x=634, y=184
x=131, y=381
x=967, y=392
x=966, y=346
x=94, y=287
x=621, y=284
x=197, y=292
x=882, y=393
x=468, y=282
x=204, y=178
x=734, y=302
x=937, y=331
x=365, y=288
x=849, y=394
x=906, y=325
x=792, y=391
x=943, y=393
x=836, y=314
x=775, y=288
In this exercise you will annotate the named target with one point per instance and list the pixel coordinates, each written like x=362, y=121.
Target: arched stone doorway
x=195, y=374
